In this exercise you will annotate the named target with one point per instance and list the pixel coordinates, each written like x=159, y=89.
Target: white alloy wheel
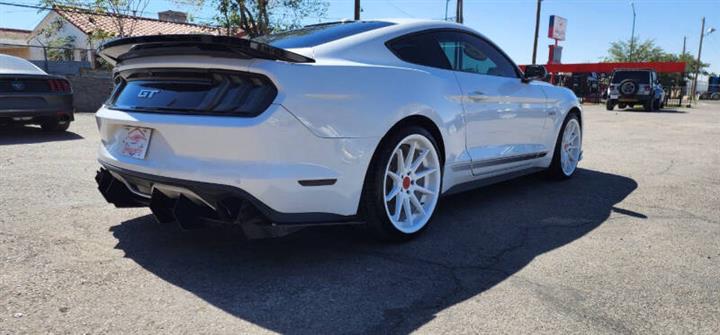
x=570, y=147
x=411, y=186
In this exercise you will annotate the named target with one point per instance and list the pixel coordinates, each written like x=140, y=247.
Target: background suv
x=630, y=87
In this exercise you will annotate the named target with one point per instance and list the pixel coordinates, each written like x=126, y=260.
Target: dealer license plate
x=135, y=142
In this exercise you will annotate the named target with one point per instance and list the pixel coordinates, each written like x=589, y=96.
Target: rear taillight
x=59, y=85
x=647, y=88
x=193, y=91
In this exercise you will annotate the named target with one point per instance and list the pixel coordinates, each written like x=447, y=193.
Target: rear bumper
x=28, y=108
x=272, y=160
x=213, y=202
x=634, y=98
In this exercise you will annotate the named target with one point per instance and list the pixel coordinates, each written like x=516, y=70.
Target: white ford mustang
x=360, y=121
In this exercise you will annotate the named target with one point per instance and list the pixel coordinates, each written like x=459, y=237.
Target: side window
x=469, y=53
x=419, y=49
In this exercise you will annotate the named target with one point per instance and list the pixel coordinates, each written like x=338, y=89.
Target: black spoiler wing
x=220, y=46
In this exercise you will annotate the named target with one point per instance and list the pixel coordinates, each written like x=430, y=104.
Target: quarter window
x=422, y=49
x=469, y=53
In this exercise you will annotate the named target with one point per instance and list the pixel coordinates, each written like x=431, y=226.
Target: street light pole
x=632, y=36
x=697, y=66
x=447, y=2
x=537, y=30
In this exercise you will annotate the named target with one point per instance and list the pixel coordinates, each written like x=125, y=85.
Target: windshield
x=310, y=36
x=637, y=76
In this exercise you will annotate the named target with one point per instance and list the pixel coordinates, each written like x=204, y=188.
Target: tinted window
x=469, y=53
x=638, y=76
x=422, y=49
x=313, y=35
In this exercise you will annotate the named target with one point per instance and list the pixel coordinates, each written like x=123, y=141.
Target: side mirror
x=534, y=72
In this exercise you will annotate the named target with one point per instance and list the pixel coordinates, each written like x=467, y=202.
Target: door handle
x=476, y=96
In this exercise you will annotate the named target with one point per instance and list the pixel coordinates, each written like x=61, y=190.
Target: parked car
x=631, y=87
x=28, y=95
x=713, y=91
x=346, y=122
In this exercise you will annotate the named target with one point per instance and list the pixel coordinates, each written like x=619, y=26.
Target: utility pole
x=697, y=67
x=357, y=10
x=684, y=43
x=632, y=36
x=459, y=12
x=537, y=31
x=681, y=82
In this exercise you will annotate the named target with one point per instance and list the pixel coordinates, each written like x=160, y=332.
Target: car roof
x=15, y=65
x=398, y=28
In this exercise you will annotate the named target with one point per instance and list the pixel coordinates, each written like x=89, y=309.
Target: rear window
x=313, y=35
x=638, y=76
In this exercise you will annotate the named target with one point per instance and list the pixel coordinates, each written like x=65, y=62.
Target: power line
x=390, y=2
x=88, y=10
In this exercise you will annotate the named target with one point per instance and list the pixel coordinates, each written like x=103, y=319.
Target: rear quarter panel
x=345, y=99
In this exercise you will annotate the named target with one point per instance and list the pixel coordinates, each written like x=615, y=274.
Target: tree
x=60, y=49
x=628, y=51
x=647, y=51
x=120, y=11
x=55, y=48
x=261, y=17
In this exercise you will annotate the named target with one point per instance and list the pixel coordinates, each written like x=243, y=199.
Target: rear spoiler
x=123, y=49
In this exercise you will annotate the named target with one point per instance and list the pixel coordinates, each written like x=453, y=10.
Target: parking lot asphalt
x=631, y=244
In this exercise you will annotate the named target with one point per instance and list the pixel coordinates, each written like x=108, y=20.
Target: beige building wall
x=17, y=52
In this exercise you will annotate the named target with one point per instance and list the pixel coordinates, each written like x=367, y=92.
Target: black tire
x=649, y=105
x=610, y=105
x=373, y=202
x=55, y=125
x=555, y=170
x=622, y=106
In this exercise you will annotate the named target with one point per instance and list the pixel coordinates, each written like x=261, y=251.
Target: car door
x=504, y=116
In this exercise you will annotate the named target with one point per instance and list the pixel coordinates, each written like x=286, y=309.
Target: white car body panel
x=330, y=116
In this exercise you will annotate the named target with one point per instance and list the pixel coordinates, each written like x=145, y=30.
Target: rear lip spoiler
x=123, y=49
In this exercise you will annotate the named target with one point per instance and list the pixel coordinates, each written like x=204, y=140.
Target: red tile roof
x=89, y=21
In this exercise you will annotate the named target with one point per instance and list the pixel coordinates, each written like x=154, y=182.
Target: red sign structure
x=556, y=31
x=660, y=67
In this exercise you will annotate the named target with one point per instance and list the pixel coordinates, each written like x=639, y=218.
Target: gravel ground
x=630, y=245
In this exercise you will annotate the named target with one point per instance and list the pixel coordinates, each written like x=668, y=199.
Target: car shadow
x=29, y=134
x=338, y=280
x=664, y=110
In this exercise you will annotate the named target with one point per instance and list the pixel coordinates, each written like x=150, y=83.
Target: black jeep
x=630, y=87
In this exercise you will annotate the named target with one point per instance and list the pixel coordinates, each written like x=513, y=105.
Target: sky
x=592, y=24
